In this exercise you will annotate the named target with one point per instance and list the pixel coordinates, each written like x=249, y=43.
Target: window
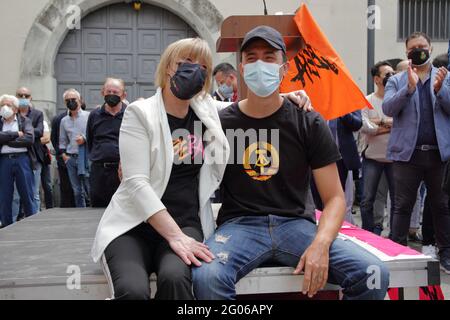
x=429, y=16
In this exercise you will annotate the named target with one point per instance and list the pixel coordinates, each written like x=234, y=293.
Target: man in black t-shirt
x=268, y=171
x=273, y=147
x=102, y=135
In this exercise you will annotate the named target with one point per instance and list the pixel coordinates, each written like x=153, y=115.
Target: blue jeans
x=243, y=244
x=78, y=183
x=36, y=197
x=15, y=205
x=15, y=170
x=37, y=184
x=372, y=173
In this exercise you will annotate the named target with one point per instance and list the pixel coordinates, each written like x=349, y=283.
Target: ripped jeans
x=245, y=243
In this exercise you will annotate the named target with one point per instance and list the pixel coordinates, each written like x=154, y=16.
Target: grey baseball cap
x=266, y=33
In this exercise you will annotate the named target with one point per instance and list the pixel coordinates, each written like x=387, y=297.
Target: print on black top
x=266, y=177
x=181, y=194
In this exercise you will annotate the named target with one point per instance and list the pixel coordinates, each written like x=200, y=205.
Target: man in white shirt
x=376, y=129
x=16, y=140
x=72, y=144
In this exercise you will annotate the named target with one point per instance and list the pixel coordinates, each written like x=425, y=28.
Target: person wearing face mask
x=414, y=233
x=419, y=145
x=72, y=145
x=173, y=155
x=225, y=76
x=37, y=119
x=262, y=219
x=226, y=79
x=376, y=128
x=66, y=199
x=102, y=134
x=158, y=216
x=16, y=141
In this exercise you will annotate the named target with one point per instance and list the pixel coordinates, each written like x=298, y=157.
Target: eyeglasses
x=23, y=95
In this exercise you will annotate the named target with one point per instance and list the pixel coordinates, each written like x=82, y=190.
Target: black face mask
x=386, y=78
x=419, y=56
x=188, y=81
x=72, y=104
x=112, y=100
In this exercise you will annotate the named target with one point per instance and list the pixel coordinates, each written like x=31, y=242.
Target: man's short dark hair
x=375, y=71
x=416, y=35
x=441, y=61
x=225, y=68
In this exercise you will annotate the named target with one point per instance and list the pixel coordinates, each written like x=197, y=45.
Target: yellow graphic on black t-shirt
x=180, y=149
x=261, y=161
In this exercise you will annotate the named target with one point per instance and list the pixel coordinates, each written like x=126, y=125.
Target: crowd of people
x=84, y=144
x=158, y=211
x=363, y=138
x=405, y=141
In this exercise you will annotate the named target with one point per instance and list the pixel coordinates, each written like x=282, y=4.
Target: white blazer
x=146, y=153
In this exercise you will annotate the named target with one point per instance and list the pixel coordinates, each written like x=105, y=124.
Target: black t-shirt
x=270, y=175
x=103, y=135
x=181, y=195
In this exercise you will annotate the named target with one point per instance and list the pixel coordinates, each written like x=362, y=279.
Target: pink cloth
x=386, y=246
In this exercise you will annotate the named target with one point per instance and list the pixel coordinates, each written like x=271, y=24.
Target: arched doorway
x=116, y=41
x=49, y=31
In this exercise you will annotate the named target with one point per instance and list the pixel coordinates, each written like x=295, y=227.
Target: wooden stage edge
x=47, y=256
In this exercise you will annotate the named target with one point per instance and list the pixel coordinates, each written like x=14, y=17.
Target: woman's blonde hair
x=193, y=48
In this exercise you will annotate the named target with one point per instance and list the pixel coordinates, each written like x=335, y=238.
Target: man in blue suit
x=419, y=101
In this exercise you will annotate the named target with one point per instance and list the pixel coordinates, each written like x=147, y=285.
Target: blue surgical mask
x=6, y=112
x=262, y=78
x=24, y=103
x=226, y=90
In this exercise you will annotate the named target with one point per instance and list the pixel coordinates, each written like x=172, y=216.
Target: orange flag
x=318, y=69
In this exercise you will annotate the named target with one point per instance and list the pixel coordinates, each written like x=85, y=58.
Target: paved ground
x=445, y=278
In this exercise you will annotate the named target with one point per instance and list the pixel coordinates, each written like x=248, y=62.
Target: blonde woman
x=173, y=153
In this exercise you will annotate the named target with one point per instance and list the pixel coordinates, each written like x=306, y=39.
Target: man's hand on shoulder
x=301, y=100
